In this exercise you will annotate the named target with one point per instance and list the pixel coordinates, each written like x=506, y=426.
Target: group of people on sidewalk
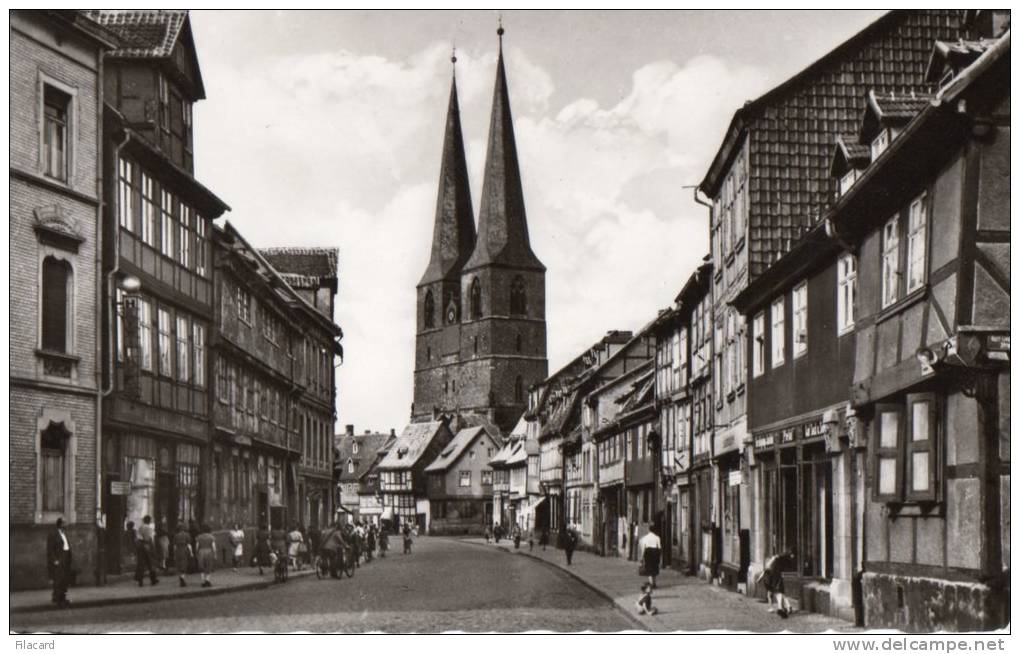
x=359, y=539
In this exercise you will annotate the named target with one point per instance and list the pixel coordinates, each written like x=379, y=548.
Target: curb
x=146, y=599
x=639, y=625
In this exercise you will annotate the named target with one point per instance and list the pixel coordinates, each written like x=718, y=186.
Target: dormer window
x=847, y=181
x=879, y=144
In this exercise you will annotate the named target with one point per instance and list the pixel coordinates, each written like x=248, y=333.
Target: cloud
x=342, y=149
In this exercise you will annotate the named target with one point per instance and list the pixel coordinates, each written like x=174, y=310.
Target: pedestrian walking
x=517, y=538
x=206, y=554
x=236, y=538
x=497, y=532
x=163, y=544
x=370, y=541
x=650, y=548
x=543, y=540
x=294, y=542
x=145, y=551
x=182, y=553
x=58, y=563
x=193, y=532
x=407, y=539
x=569, y=544
x=384, y=542
x=488, y=534
x=262, y=548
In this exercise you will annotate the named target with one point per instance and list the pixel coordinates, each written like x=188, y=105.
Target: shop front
x=734, y=542
x=805, y=496
x=704, y=533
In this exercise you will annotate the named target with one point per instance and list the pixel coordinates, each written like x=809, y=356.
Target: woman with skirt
x=206, y=545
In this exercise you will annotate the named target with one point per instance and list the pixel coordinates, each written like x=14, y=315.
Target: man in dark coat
x=58, y=562
x=570, y=544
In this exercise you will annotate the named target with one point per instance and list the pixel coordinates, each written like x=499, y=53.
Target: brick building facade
x=55, y=150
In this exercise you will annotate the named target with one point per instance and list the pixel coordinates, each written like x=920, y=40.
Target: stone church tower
x=481, y=336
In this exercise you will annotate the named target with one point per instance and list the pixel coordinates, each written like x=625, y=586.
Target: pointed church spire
x=453, y=237
x=502, y=223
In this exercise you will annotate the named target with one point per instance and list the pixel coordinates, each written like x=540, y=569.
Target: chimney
x=368, y=431
x=350, y=430
x=393, y=431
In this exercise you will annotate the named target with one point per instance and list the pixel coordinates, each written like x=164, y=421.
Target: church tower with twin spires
x=481, y=335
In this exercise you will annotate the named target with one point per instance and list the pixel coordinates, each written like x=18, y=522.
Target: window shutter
x=888, y=427
x=921, y=448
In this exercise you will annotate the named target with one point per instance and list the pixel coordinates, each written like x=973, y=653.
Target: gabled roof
x=848, y=153
x=955, y=55
x=791, y=128
x=641, y=396
x=410, y=445
x=460, y=443
x=306, y=262
x=152, y=34
x=368, y=447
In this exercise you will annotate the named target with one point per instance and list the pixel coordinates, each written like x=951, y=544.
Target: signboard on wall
x=120, y=488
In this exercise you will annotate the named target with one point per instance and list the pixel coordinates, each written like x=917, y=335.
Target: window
x=778, y=332
x=350, y=466
x=354, y=447
x=920, y=450
x=164, y=104
x=243, y=305
x=126, y=195
x=465, y=478
x=56, y=108
x=519, y=389
x=758, y=346
x=57, y=291
x=476, y=299
x=846, y=292
x=917, y=228
x=800, y=323
x=164, y=342
x=183, y=349
x=148, y=223
x=847, y=181
x=184, y=236
x=145, y=333
x=200, y=244
x=430, y=310
x=906, y=450
x=486, y=477
x=879, y=144
x=890, y=261
x=166, y=241
x=198, y=347
x=53, y=451
x=518, y=297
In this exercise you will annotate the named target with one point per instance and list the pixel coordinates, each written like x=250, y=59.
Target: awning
x=531, y=508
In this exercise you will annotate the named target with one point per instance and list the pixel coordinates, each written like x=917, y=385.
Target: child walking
x=644, y=603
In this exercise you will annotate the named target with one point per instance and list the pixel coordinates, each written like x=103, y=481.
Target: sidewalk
x=684, y=603
x=125, y=590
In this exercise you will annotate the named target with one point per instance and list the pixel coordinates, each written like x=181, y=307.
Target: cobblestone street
x=442, y=586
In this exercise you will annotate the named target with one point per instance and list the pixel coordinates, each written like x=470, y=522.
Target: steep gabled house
x=768, y=184
x=355, y=456
x=460, y=483
x=402, y=481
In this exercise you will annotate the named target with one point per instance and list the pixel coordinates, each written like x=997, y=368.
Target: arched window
x=518, y=297
x=476, y=345
x=430, y=310
x=476, y=299
x=350, y=466
x=519, y=389
x=56, y=305
x=518, y=342
x=53, y=482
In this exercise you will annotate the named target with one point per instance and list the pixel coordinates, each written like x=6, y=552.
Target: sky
x=325, y=129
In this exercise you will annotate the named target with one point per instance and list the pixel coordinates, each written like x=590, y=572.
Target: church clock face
x=451, y=313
